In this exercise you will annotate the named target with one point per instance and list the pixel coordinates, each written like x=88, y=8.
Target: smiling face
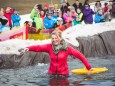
x=55, y=40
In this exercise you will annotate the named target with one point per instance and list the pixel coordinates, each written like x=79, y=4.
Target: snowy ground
x=70, y=35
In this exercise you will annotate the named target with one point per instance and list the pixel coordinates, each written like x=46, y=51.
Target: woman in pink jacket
x=59, y=51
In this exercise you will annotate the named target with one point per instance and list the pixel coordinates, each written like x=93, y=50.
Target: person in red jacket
x=8, y=13
x=59, y=51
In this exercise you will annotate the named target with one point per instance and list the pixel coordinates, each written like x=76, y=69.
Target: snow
x=70, y=35
x=84, y=30
x=24, y=18
x=12, y=46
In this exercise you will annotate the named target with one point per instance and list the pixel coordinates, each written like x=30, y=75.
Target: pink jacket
x=67, y=18
x=58, y=63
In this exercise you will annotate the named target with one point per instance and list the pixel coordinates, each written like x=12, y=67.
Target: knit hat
x=56, y=5
x=46, y=5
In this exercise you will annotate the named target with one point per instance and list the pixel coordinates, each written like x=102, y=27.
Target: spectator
x=49, y=22
x=97, y=6
x=8, y=13
x=67, y=16
x=105, y=8
x=55, y=14
x=42, y=14
x=99, y=17
x=15, y=19
x=59, y=22
x=3, y=19
x=35, y=16
x=72, y=12
x=88, y=14
x=77, y=5
x=86, y=3
x=64, y=7
x=107, y=12
x=76, y=21
x=80, y=14
x=51, y=8
x=3, y=22
x=45, y=8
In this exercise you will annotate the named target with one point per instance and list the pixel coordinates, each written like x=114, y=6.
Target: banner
x=17, y=32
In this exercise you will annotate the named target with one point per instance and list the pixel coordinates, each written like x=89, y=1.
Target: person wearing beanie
x=45, y=8
x=49, y=22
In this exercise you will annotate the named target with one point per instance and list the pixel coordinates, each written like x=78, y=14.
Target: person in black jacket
x=77, y=5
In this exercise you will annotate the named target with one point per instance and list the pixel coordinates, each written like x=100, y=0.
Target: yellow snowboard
x=83, y=71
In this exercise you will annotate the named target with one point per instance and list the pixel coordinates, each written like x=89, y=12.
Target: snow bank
x=86, y=30
x=12, y=46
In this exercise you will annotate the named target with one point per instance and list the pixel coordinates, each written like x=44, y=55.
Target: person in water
x=59, y=51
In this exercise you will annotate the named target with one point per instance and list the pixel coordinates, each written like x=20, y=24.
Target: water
x=37, y=75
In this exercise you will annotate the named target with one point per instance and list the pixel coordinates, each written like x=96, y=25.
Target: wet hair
x=57, y=33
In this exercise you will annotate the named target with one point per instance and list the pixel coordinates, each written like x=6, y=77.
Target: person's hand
x=35, y=6
x=22, y=50
x=90, y=72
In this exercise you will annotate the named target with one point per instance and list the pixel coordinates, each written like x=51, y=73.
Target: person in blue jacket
x=49, y=22
x=15, y=19
x=55, y=15
x=88, y=14
x=99, y=17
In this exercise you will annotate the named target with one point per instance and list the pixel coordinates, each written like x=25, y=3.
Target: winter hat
x=46, y=5
x=56, y=5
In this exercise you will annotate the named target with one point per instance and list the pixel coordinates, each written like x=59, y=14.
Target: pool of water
x=37, y=75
